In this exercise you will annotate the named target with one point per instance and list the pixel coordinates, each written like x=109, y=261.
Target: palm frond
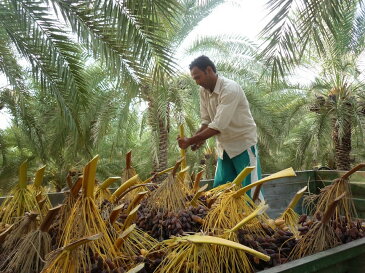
x=127, y=36
x=310, y=138
x=358, y=37
x=8, y=61
x=192, y=14
x=295, y=25
x=223, y=44
x=55, y=58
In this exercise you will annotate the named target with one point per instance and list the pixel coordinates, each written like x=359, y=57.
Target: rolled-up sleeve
x=225, y=111
x=204, y=115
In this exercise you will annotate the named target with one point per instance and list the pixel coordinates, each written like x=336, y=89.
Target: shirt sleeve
x=204, y=115
x=225, y=110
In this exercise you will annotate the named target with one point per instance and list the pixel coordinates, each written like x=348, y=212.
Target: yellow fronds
x=107, y=182
x=194, y=201
x=284, y=173
x=205, y=239
x=297, y=197
x=136, y=269
x=23, y=174
x=131, y=217
x=122, y=188
x=242, y=175
x=39, y=177
x=182, y=151
x=89, y=176
x=260, y=209
x=157, y=174
x=197, y=181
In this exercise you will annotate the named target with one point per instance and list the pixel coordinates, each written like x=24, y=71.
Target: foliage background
x=95, y=79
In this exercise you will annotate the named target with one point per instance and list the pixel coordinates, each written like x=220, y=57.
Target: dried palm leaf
x=290, y=217
x=21, y=201
x=14, y=234
x=136, y=201
x=321, y=235
x=102, y=192
x=151, y=178
x=59, y=224
x=171, y=194
x=5, y=232
x=198, y=253
x=133, y=241
x=231, y=206
x=127, y=174
x=21, y=227
x=195, y=201
x=85, y=220
x=123, y=187
x=38, y=190
x=29, y=254
x=330, y=193
x=197, y=179
x=236, y=184
x=69, y=258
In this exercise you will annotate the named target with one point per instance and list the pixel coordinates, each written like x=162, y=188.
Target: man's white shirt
x=226, y=109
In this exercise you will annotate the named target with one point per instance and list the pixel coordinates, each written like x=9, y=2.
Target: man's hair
x=202, y=63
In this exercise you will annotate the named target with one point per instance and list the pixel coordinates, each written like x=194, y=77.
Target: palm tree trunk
x=160, y=163
x=3, y=151
x=162, y=146
x=342, y=143
x=159, y=125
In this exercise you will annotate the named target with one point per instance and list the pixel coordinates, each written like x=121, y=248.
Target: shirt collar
x=217, y=87
x=218, y=84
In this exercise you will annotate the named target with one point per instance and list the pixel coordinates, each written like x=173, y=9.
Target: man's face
x=201, y=77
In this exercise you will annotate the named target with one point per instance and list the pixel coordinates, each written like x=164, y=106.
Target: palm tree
x=127, y=38
x=109, y=125
x=332, y=32
x=296, y=26
x=164, y=94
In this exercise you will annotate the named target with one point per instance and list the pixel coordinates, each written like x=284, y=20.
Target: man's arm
x=196, y=146
x=204, y=126
x=199, y=137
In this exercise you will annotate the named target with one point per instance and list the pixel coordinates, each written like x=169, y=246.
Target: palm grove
x=100, y=77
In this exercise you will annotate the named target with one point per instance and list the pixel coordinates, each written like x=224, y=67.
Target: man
x=225, y=113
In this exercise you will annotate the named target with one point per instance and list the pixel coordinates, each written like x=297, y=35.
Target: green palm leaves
x=127, y=36
x=297, y=25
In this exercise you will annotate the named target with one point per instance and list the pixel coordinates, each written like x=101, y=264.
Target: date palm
x=164, y=95
x=126, y=38
x=329, y=34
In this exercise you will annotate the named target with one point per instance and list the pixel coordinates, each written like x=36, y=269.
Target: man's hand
x=196, y=146
x=184, y=142
x=197, y=140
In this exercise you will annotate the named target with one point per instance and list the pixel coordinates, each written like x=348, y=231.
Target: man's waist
x=232, y=137
x=234, y=150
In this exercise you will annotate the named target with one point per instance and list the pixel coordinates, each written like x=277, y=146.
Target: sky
x=244, y=17
x=234, y=17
